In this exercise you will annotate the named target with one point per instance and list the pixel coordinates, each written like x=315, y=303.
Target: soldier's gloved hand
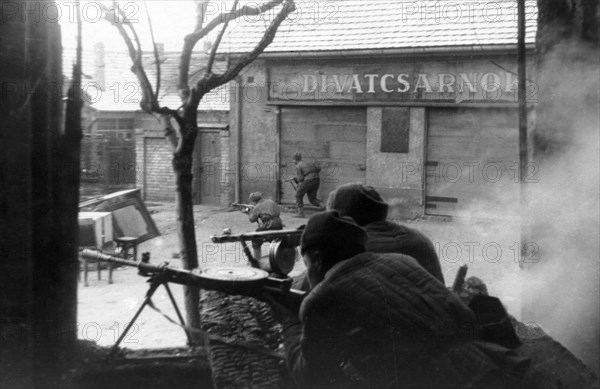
x=295, y=179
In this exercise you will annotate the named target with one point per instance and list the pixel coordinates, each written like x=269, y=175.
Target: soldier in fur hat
x=366, y=206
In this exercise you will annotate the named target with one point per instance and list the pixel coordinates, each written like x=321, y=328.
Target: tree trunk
x=566, y=41
x=182, y=140
x=182, y=166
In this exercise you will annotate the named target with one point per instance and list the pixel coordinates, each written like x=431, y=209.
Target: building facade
x=431, y=124
x=123, y=147
x=153, y=156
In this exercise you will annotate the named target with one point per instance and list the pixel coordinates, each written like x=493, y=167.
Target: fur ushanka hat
x=340, y=235
x=362, y=203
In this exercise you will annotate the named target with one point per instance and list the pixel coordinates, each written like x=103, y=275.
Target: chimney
x=99, y=65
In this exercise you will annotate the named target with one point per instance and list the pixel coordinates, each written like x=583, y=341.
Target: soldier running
x=308, y=183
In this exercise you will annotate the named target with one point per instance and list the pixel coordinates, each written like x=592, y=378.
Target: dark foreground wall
x=39, y=183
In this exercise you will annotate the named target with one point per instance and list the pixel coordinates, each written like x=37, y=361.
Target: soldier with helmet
x=266, y=213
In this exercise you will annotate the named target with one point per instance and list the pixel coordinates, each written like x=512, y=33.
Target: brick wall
x=153, y=157
x=153, y=160
x=228, y=171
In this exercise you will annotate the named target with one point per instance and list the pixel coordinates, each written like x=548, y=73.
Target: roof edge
x=467, y=49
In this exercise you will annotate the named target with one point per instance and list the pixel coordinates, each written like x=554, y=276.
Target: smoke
x=561, y=292
x=558, y=286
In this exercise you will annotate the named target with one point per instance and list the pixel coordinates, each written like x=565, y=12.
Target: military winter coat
x=266, y=213
x=382, y=321
x=389, y=237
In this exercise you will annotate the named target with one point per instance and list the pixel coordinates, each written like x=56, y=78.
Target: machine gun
x=245, y=281
x=282, y=251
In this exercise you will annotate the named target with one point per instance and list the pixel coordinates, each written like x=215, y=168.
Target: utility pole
x=523, y=155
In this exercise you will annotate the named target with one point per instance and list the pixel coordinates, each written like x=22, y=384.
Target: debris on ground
x=231, y=320
x=96, y=368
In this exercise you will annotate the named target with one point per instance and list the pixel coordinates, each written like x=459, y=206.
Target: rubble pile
x=243, y=342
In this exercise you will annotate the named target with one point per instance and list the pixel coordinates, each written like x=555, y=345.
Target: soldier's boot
x=300, y=212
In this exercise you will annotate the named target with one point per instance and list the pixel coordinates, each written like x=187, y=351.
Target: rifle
x=237, y=281
x=293, y=181
x=242, y=207
x=282, y=252
x=459, y=280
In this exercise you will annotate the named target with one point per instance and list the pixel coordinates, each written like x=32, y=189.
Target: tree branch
x=149, y=102
x=212, y=81
x=200, y=12
x=193, y=38
x=172, y=134
x=215, y=46
x=156, y=56
x=288, y=7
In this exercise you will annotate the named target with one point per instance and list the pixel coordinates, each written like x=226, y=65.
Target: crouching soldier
x=382, y=321
x=266, y=213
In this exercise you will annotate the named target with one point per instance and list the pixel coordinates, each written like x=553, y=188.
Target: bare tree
x=181, y=138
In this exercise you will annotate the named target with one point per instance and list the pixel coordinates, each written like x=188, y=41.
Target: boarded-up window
x=115, y=123
x=107, y=124
x=394, y=130
x=126, y=124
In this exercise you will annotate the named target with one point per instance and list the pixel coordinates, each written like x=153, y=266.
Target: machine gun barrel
x=280, y=289
x=290, y=237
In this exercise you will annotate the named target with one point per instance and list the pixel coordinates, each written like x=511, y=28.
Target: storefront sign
x=363, y=84
x=403, y=82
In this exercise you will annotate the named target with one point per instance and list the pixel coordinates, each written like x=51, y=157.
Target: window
x=395, y=123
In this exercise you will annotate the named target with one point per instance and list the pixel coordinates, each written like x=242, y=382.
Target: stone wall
x=397, y=176
x=254, y=136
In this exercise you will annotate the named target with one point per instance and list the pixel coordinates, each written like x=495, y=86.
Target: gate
x=208, y=186
x=121, y=167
